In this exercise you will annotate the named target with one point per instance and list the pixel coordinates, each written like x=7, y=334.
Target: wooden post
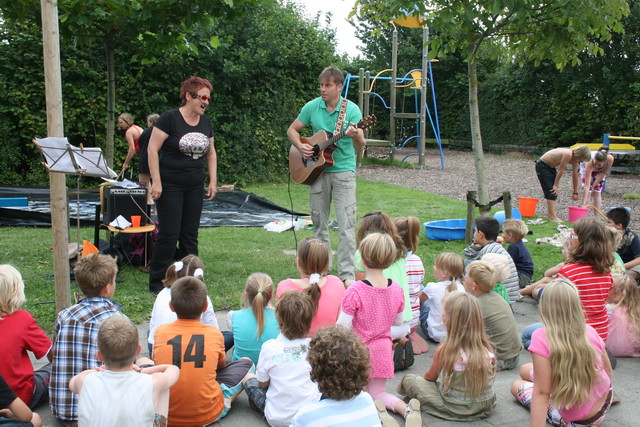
x=471, y=208
x=57, y=184
x=506, y=202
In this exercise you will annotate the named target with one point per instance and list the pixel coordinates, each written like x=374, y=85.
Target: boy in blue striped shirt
x=340, y=366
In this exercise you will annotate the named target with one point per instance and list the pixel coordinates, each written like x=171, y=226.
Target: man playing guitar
x=338, y=181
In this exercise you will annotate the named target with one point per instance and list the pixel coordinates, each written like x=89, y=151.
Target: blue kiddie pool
x=447, y=229
x=500, y=215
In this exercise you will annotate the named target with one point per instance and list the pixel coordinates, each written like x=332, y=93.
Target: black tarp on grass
x=229, y=208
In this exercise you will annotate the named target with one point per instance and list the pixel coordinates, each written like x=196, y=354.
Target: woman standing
x=594, y=174
x=131, y=134
x=143, y=143
x=181, y=143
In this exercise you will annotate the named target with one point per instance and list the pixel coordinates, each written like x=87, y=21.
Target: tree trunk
x=111, y=97
x=476, y=136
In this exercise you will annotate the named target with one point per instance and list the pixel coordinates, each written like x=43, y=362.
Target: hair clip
x=260, y=291
x=314, y=278
x=178, y=265
x=198, y=273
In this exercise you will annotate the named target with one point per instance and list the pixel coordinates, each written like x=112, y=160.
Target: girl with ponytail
x=192, y=266
x=326, y=291
x=253, y=326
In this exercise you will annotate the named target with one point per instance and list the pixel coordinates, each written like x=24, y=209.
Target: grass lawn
x=232, y=253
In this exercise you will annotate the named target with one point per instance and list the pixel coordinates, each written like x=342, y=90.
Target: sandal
x=408, y=354
x=385, y=418
x=398, y=356
x=412, y=415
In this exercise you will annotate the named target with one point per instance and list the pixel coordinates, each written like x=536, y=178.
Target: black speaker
x=125, y=202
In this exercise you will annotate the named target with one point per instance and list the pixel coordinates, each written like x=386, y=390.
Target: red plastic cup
x=135, y=220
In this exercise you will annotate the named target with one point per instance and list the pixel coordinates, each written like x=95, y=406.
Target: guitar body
x=307, y=171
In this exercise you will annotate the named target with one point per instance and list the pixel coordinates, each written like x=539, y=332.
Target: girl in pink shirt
x=326, y=291
x=624, y=317
x=572, y=383
x=370, y=307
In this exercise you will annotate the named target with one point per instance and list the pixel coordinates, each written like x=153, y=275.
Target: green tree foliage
x=162, y=24
x=528, y=30
x=263, y=70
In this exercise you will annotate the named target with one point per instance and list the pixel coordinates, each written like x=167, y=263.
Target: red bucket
x=527, y=206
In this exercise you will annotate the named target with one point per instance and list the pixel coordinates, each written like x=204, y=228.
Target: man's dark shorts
x=547, y=177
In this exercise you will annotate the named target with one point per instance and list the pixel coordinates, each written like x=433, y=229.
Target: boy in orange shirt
x=207, y=385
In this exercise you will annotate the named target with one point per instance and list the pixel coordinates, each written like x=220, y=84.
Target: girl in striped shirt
x=588, y=267
x=409, y=229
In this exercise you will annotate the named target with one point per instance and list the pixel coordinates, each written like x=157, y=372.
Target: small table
x=146, y=229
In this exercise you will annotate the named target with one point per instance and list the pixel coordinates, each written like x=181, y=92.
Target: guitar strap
x=343, y=109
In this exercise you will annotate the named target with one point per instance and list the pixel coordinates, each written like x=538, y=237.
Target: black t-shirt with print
x=182, y=156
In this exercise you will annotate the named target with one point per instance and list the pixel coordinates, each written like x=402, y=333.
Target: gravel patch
x=514, y=172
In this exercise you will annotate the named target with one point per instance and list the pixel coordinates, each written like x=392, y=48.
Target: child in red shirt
x=20, y=333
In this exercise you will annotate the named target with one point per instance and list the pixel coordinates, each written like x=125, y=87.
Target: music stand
x=62, y=157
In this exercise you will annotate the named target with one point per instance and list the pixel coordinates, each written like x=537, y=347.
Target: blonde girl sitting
x=459, y=384
x=572, y=382
x=449, y=273
x=624, y=317
x=326, y=291
x=161, y=314
x=253, y=326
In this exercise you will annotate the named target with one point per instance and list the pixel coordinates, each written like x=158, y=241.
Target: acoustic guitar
x=307, y=171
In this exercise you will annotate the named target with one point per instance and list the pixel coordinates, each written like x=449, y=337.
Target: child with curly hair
x=340, y=366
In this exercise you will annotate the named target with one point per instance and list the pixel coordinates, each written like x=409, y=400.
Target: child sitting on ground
x=513, y=231
x=534, y=289
x=371, y=306
x=409, y=229
x=550, y=168
x=207, y=385
x=120, y=393
x=13, y=411
x=379, y=222
x=572, y=382
x=340, y=366
x=161, y=314
x=499, y=323
x=253, y=326
x=449, y=273
x=75, y=341
x=21, y=334
x=484, y=242
x=459, y=384
x=624, y=317
x=282, y=384
x=500, y=265
x=629, y=249
x=326, y=291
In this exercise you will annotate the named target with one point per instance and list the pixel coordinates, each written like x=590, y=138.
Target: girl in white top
x=161, y=314
x=448, y=270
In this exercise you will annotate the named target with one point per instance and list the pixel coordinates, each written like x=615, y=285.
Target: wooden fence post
x=471, y=208
x=506, y=201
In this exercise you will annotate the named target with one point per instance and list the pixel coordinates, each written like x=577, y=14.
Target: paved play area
x=626, y=385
